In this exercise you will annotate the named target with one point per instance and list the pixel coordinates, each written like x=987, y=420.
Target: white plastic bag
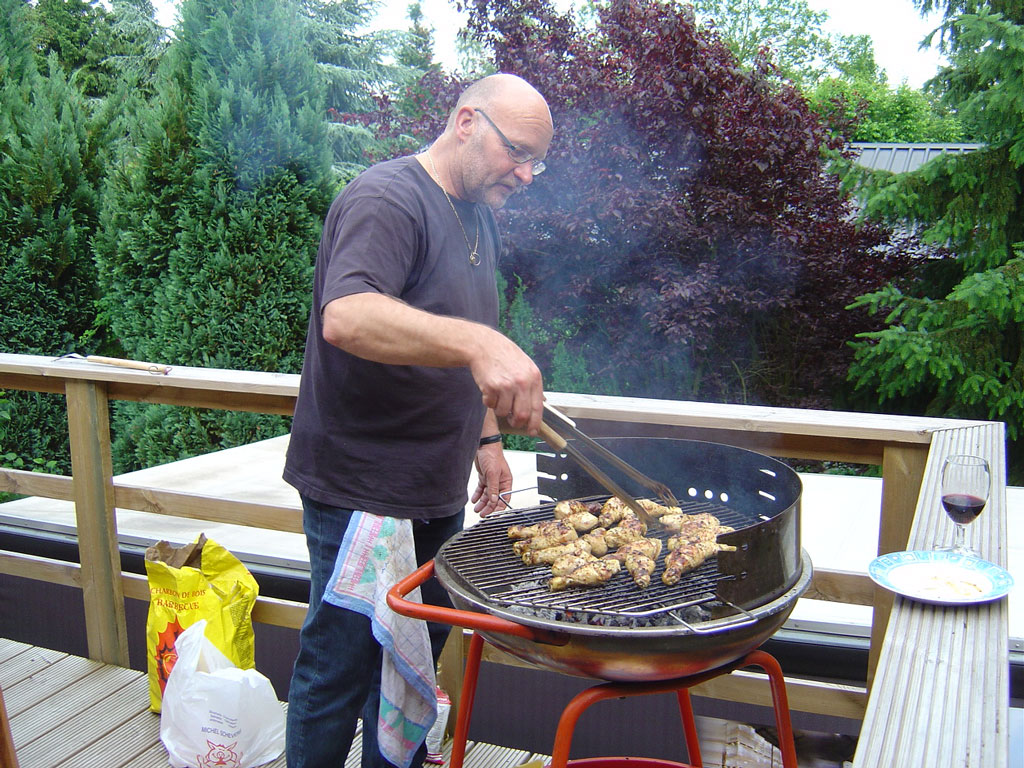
x=215, y=714
x=435, y=736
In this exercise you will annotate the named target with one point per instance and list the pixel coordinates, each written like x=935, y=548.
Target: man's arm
x=383, y=329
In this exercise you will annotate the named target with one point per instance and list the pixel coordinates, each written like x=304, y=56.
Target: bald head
x=497, y=135
x=495, y=92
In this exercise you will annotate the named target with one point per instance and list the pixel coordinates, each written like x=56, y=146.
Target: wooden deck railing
x=940, y=674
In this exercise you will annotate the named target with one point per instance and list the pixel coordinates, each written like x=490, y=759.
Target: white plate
x=940, y=577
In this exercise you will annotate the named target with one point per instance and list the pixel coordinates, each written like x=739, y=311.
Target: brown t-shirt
x=388, y=439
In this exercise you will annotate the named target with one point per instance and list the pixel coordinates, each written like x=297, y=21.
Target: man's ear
x=465, y=122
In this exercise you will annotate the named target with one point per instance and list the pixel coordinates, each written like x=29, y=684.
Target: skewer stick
x=136, y=364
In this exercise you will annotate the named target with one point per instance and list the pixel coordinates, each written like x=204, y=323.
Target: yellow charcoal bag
x=201, y=580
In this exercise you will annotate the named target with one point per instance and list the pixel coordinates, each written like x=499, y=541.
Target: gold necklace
x=474, y=258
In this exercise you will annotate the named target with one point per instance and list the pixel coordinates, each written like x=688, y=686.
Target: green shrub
x=212, y=221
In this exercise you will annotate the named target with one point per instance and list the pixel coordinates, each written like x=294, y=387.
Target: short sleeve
x=374, y=247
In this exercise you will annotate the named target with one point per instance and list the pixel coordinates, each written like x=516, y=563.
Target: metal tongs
x=555, y=424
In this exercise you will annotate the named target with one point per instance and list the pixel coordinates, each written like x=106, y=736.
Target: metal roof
x=899, y=158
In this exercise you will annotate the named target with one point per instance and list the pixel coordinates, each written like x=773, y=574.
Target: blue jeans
x=336, y=678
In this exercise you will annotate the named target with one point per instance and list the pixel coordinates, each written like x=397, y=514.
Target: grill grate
x=482, y=556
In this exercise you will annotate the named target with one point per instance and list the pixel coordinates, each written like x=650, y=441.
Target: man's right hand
x=510, y=383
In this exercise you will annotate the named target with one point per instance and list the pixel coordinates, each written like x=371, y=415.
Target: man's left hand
x=495, y=478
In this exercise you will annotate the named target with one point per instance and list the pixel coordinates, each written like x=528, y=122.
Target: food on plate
x=955, y=584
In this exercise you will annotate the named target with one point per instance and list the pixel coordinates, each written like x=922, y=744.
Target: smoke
x=618, y=250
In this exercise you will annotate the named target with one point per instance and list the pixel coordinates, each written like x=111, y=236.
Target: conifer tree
x=137, y=44
x=357, y=66
x=212, y=220
x=51, y=166
x=99, y=46
x=954, y=344
x=79, y=33
x=417, y=51
x=351, y=61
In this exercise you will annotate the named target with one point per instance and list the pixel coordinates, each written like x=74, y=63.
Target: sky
x=897, y=29
x=895, y=26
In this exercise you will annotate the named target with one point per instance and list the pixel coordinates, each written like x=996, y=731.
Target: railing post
x=91, y=469
x=902, y=472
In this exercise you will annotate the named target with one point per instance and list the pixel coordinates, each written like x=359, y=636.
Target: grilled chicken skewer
x=687, y=554
x=543, y=528
x=640, y=558
x=630, y=528
x=578, y=514
x=590, y=575
x=566, y=564
x=548, y=555
x=558, y=532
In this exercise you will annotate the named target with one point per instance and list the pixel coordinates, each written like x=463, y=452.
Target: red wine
x=962, y=507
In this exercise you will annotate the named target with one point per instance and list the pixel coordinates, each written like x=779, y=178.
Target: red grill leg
x=780, y=701
x=689, y=728
x=476, y=647
x=571, y=714
x=579, y=703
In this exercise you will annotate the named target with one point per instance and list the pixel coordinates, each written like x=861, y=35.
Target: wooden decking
x=70, y=712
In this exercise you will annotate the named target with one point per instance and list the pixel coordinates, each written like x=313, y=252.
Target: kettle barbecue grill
x=715, y=616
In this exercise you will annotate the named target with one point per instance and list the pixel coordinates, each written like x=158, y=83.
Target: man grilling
x=403, y=381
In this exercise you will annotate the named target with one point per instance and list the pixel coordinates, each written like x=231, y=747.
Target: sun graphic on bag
x=165, y=654
x=219, y=755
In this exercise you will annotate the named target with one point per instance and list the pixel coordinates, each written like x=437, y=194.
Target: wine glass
x=965, y=489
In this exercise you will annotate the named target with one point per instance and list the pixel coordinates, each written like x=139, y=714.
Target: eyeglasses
x=518, y=154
